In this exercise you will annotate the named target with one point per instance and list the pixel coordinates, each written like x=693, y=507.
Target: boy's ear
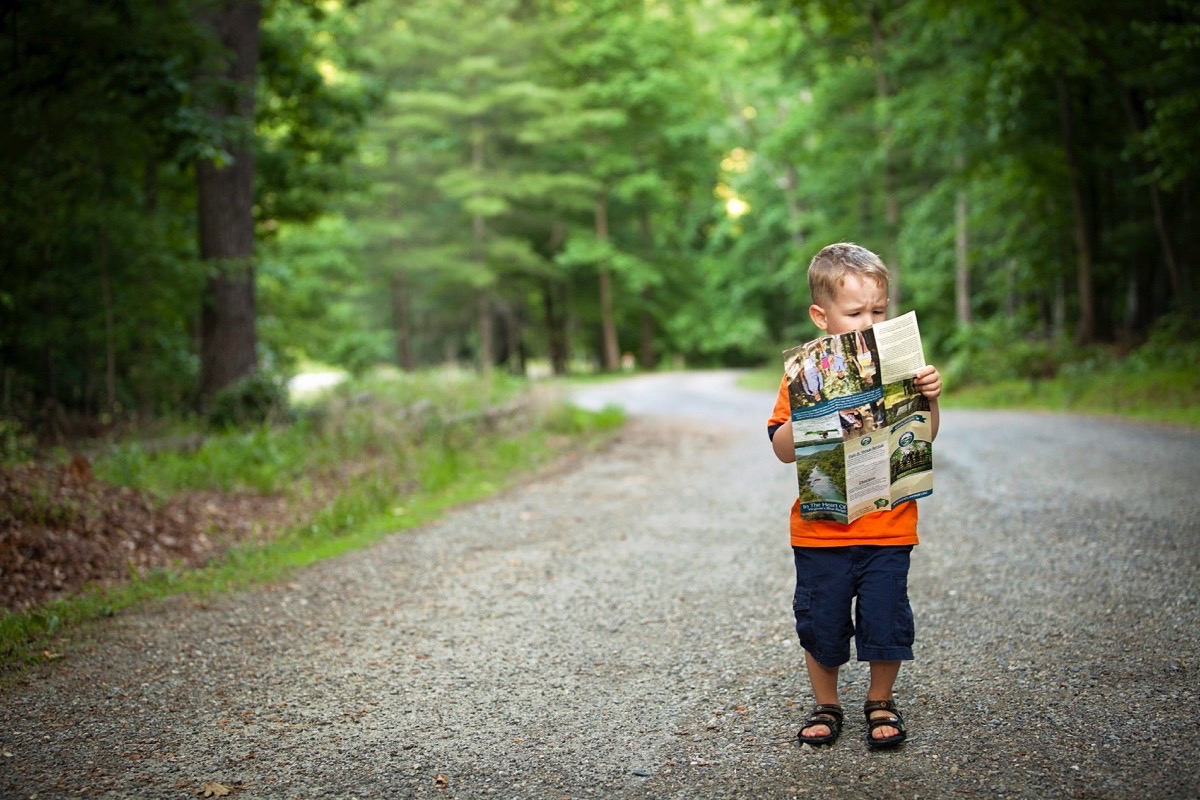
x=818, y=316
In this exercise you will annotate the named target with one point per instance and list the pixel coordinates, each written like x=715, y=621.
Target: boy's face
x=859, y=303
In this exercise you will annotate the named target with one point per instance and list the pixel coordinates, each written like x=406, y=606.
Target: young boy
x=867, y=559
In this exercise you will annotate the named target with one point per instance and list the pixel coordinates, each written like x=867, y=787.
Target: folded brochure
x=862, y=431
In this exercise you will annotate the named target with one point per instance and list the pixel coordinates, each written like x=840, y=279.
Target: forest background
x=198, y=197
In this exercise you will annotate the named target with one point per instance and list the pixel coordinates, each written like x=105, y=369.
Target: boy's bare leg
x=824, y=682
x=883, y=679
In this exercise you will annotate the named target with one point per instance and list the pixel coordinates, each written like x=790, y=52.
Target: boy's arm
x=929, y=383
x=779, y=426
x=784, y=446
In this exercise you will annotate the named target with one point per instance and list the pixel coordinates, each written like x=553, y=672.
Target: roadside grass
x=1166, y=396
x=385, y=454
x=386, y=412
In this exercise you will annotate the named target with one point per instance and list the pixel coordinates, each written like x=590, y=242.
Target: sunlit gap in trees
x=736, y=162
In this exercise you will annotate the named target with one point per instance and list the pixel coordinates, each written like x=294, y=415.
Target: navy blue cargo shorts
x=859, y=591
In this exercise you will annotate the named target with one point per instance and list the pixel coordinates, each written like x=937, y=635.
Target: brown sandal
x=829, y=715
x=893, y=720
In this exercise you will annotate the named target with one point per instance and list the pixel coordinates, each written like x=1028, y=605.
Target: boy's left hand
x=928, y=382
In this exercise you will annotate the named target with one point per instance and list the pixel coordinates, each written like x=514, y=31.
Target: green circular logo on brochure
x=907, y=439
x=866, y=440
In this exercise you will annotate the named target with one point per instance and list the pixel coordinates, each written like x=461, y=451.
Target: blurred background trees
x=556, y=185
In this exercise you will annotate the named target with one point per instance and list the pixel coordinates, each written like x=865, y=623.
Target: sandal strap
x=871, y=706
x=828, y=709
x=828, y=714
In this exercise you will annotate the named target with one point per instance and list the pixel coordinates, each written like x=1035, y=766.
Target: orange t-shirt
x=894, y=526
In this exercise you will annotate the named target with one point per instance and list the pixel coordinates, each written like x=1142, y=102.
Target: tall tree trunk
x=110, y=350
x=487, y=345
x=1058, y=310
x=791, y=191
x=647, y=352
x=891, y=202
x=556, y=328
x=142, y=392
x=556, y=321
x=1085, y=333
x=400, y=321
x=228, y=336
x=647, y=349
x=51, y=415
x=1010, y=288
x=608, y=319
x=514, y=347
x=962, y=256
x=1132, y=307
x=401, y=325
x=1137, y=127
x=487, y=335
x=1185, y=195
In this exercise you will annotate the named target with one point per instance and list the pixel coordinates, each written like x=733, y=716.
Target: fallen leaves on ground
x=61, y=529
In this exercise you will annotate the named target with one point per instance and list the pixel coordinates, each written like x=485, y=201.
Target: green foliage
x=356, y=417
x=1165, y=396
x=1159, y=381
x=359, y=351
x=259, y=398
x=263, y=459
x=16, y=444
x=107, y=112
x=1174, y=343
x=311, y=109
x=92, y=245
x=573, y=421
x=528, y=116
x=887, y=120
x=1002, y=350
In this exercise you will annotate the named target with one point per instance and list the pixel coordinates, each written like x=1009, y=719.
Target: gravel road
x=622, y=628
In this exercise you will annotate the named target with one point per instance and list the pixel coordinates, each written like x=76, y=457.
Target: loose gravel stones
x=622, y=628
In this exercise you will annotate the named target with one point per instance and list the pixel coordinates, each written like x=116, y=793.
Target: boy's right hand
x=928, y=382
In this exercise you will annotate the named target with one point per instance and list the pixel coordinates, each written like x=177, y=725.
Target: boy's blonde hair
x=834, y=262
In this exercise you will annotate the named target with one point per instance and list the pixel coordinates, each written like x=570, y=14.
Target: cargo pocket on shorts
x=905, y=629
x=802, y=608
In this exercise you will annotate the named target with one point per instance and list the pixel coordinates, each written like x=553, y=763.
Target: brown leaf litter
x=62, y=530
